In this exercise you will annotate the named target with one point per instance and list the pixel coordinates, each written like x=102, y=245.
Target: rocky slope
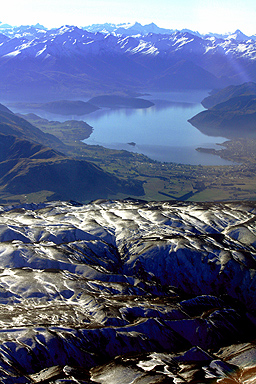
x=128, y=292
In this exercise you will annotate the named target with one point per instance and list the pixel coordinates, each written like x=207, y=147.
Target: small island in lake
x=116, y=101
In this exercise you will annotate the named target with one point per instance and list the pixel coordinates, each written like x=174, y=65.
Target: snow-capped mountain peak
x=238, y=35
x=148, y=39
x=127, y=52
x=129, y=29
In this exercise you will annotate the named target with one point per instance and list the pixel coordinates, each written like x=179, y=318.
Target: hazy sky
x=198, y=15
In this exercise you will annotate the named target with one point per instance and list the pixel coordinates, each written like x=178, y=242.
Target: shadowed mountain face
x=231, y=113
x=106, y=72
x=11, y=147
x=128, y=292
x=233, y=91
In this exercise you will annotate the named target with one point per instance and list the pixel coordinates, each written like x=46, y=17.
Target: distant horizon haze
x=5, y=26
x=205, y=17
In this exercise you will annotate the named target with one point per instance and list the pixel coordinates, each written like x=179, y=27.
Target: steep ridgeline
x=222, y=95
x=128, y=292
x=11, y=124
x=231, y=113
x=29, y=165
x=39, y=63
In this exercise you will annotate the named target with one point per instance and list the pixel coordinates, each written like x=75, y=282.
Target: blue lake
x=161, y=132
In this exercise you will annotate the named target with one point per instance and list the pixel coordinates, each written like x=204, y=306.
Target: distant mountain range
x=128, y=29
x=37, y=63
x=131, y=29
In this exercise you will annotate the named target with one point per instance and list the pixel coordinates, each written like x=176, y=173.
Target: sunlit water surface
x=161, y=132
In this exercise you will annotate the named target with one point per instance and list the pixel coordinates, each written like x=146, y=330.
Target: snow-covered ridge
x=169, y=283
x=137, y=232
x=136, y=39
x=128, y=29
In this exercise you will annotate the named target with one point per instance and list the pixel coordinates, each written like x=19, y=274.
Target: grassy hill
x=11, y=124
x=70, y=130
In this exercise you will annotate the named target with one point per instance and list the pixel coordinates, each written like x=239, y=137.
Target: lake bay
x=161, y=132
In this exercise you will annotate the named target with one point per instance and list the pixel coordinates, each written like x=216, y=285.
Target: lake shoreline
x=161, y=132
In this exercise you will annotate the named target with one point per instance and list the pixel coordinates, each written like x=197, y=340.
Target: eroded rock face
x=128, y=292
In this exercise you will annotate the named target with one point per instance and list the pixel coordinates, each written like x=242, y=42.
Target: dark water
x=160, y=132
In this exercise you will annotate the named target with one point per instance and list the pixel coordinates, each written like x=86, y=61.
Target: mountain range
x=69, y=61
x=129, y=29
x=133, y=29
